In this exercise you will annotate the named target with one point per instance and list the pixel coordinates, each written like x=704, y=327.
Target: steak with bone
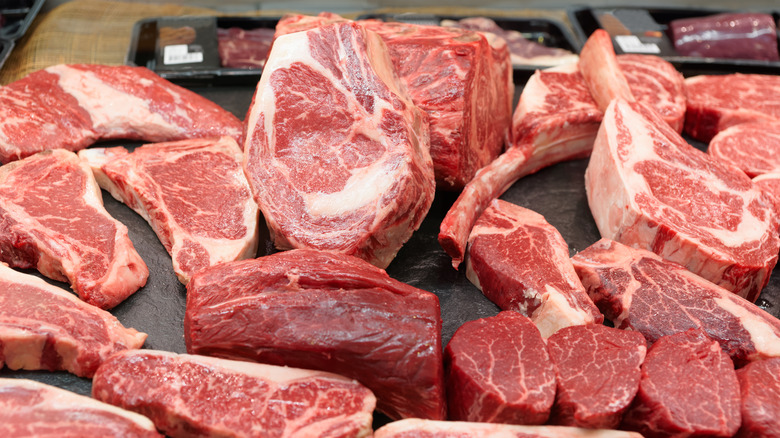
x=752, y=147
x=417, y=428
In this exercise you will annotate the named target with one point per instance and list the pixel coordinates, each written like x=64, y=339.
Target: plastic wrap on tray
x=728, y=35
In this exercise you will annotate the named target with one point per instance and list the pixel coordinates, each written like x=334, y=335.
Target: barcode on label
x=632, y=44
x=180, y=54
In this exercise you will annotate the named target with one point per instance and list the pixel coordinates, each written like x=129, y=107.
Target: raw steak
x=601, y=72
x=688, y=388
x=729, y=35
x=498, y=370
x=650, y=189
x=416, y=428
x=521, y=262
x=640, y=291
x=321, y=310
x=769, y=185
x=189, y=395
x=73, y=106
x=354, y=175
x=244, y=48
x=33, y=409
x=43, y=327
x=192, y=192
x=752, y=147
x=760, y=390
x=597, y=370
x=716, y=102
x=52, y=219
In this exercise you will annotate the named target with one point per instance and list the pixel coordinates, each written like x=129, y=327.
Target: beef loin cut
x=417, y=428
x=43, y=327
x=190, y=395
x=650, y=189
x=521, y=262
x=716, y=102
x=688, y=388
x=760, y=389
x=321, y=310
x=597, y=369
x=52, y=219
x=354, y=175
x=73, y=106
x=498, y=370
x=192, y=192
x=638, y=290
x=752, y=147
x=33, y=409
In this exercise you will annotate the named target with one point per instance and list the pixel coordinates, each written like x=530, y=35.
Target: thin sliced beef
x=752, y=147
x=416, y=428
x=760, y=389
x=321, y=310
x=52, y=219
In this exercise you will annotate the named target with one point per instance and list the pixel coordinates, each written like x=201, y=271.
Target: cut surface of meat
x=416, y=428
x=597, y=369
x=321, y=310
x=52, y=219
x=730, y=36
x=688, y=388
x=192, y=192
x=769, y=185
x=638, y=290
x=498, y=370
x=355, y=175
x=657, y=84
x=72, y=106
x=648, y=188
x=43, y=327
x=33, y=409
x=244, y=48
x=599, y=67
x=716, y=102
x=190, y=395
x=752, y=147
x=760, y=389
x=521, y=262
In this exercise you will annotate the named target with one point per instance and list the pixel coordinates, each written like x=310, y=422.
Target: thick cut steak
x=638, y=290
x=192, y=192
x=190, y=395
x=33, y=409
x=43, y=327
x=599, y=67
x=688, y=388
x=648, y=188
x=521, y=262
x=752, y=147
x=321, y=310
x=716, y=102
x=769, y=185
x=52, y=219
x=73, y=106
x=597, y=369
x=760, y=388
x=416, y=428
x=498, y=370
x=354, y=175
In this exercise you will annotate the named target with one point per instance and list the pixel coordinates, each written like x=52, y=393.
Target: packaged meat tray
x=16, y=17
x=695, y=41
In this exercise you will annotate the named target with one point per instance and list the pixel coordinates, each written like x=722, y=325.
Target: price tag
x=181, y=54
x=632, y=44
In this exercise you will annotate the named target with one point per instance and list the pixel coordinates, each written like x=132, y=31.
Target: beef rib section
x=355, y=175
x=52, y=219
x=193, y=193
x=648, y=188
x=189, y=395
x=752, y=147
x=417, y=428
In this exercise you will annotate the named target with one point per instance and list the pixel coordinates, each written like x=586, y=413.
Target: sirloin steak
x=354, y=175
x=650, y=189
x=192, y=192
x=52, y=219
x=188, y=395
x=417, y=428
x=752, y=147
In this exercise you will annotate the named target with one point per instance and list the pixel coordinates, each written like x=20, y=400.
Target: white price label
x=180, y=54
x=632, y=44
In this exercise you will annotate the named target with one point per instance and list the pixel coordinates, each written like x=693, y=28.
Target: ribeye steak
x=752, y=147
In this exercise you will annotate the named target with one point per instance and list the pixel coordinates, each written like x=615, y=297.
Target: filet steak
x=33, y=409
x=52, y=219
x=71, y=106
x=648, y=188
x=43, y=327
x=521, y=262
x=192, y=192
x=638, y=290
x=498, y=370
x=328, y=311
x=189, y=395
x=752, y=147
x=354, y=175
x=417, y=428
x=760, y=389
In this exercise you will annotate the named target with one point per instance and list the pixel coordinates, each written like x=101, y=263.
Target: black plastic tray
x=17, y=17
x=585, y=20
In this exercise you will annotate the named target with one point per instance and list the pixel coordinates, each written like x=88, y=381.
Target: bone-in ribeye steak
x=650, y=189
x=769, y=185
x=417, y=428
x=752, y=147
x=73, y=106
x=322, y=310
x=188, y=395
x=43, y=327
x=52, y=219
x=33, y=409
x=355, y=174
x=760, y=389
x=192, y=192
